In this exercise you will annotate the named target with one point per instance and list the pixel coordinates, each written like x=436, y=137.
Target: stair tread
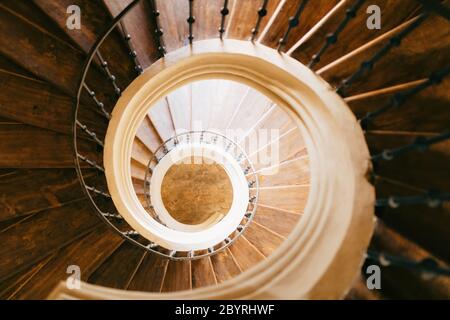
x=225, y=266
x=202, y=273
x=87, y=253
x=161, y=119
x=281, y=222
x=178, y=276
x=394, y=13
x=148, y=135
x=263, y=239
x=43, y=233
x=246, y=254
x=289, y=198
x=119, y=268
x=294, y=172
x=150, y=274
x=180, y=104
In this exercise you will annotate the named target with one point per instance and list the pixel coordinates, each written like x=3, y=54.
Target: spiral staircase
x=302, y=111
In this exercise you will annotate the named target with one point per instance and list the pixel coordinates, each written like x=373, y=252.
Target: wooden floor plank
x=150, y=275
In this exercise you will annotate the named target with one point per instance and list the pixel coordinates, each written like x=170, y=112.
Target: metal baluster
x=420, y=143
x=112, y=215
x=191, y=21
x=158, y=30
x=428, y=265
x=432, y=198
x=262, y=12
x=333, y=37
x=97, y=102
x=99, y=192
x=224, y=12
x=111, y=77
x=400, y=98
x=367, y=65
x=90, y=162
x=131, y=233
x=132, y=52
x=293, y=23
x=90, y=133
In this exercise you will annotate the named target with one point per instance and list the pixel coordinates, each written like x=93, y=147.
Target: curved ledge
x=325, y=251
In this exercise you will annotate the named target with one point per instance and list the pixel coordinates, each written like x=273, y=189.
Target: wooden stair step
x=140, y=24
x=313, y=13
x=175, y=34
x=281, y=222
x=289, y=198
x=96, y=19
x=88, y=254
x=202, y=273
x=245, y=254
x=118, y=270
x=425, y=226
x=225, y=266
x=28, y=191
x=207, y=13
x=30, y=147
x=44, y=55
x=253, y=107
x=412, y=54
x=432, y=173
x=394, y=13
x=148, y=135
x=140, y=153
x=138, y=170
x=229, y=100
x=360, y=291
x=425, y=112
x=204, y=104
x=180, y=105
x=38, y=236
x=150, y=274
x=278, y=150
x=178, y=276
x=402, y=283
x=294, y=172
x=263, y=239
x=39, y=104
x=161, y=119
x=242, y=18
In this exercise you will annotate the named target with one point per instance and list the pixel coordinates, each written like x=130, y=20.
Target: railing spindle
x=293, y=23
x=333, y=37
x=108, y=73
x=191, y=21
x=159, y=32
x=262, y=12
x=224, y=12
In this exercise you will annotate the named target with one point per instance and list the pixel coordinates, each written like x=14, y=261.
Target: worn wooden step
x=202, y=273
x=312, y=14
x=432, y=173
x=287, y=198
x=425, y=226
x=393, y=14
x=245, y=254
x=96, y=19
x=140, y=152
x=42, y=234
x=208, y=18
x=265, y=240
x=138, y=170
x=293, y=172
x=175, y=32
x=424, y=112
x=401, y=283
x=150, y=274
x=178, y=276
x=396, y=66
x=37, y=103
x=279, y=221
x=25, y=192
x=225, y=266
x=88, y=254
x=46, y=56
x=30, y=147
x=140, y=24
x=243, y=16
x=119, y=268
x=204, y=102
